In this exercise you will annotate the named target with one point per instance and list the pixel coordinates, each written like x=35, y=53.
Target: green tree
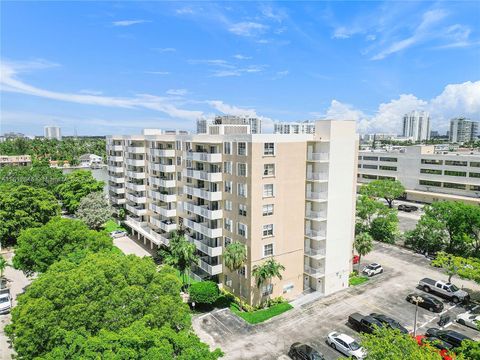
x=37, y=176
x=449, y=263
x=77, y=184
x=22, y=207
x=94, y=210
x=3, y=265
x=385, y=227
x=469, y=350
x=367, y=209
x=267, y=271
x=363, y=244
x=38, y=248
x=106, y=306
x=234, y=257
x=386, y=189
x=204, y=292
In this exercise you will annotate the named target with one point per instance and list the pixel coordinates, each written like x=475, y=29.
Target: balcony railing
x=322, y=176
x=136, y=149
x=317, y=196
x=115, y=169
x=203, y=228
x=167, y=183
x=317, y=157
x=117, y=200
x=163, y=152
x=117, y=179
x=203, y=175
x=211, y=269
x=162, y=210
x=315, y=253
x=165, y=225
x=314, y=271
x=117, y=189
x=136, y=187
x=162, y=168
x=115, y=158
x=135, y=162
x=203, y=156
x=157, y=195
x=315, y=235
x=136, y=174
x=202, y=193
x=203, y=210
x=139, y=211
x=115, y=147
x=136, y=199
x=211, y=248
x=315, y=215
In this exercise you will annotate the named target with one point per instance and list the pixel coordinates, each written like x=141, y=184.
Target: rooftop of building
x=425, y=150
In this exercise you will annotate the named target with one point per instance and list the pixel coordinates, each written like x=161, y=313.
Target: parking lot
x=312, y=322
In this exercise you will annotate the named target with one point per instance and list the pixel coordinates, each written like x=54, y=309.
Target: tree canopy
x=94, y=210
x=386, y=189
x=77, y=185
x=376, y=218
x=23, y=207
x=363, y=244
x=267, y=270
x=38, y=176
x=107, y=306
x=38, y=248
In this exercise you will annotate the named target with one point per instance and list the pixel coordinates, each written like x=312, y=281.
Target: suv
x=300, y=351
x=452, y=337
x=389, y=322
x=372, y=269
x=407, y=208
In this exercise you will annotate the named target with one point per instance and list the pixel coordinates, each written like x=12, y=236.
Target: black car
x=407, y=208
x=389, y=322
x=427, y=302
x=300, y=351
x=449, y=336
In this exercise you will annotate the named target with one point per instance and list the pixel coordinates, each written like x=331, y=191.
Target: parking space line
x=221, y=323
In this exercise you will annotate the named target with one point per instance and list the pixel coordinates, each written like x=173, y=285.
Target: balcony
x=143, y=229
x=203, y=194
x=136, y=174
x=115, y=147
x=203, y=210
x=314, y=271
x=117, y=200
x=315, y=253
x=315, y=234
x=316, y=215
x=116, y=189
x=210, y=269
x=136, y=187
x=115, y=158
x=317, y=157
x=136, y=221
x=116, y=179
x=317, y=196
x=136, y=199
x=157, y=195
x=163, y=210
x=165, y=225
x=163, y=168
x=167, y=183
x=137, y=210
x=135, y=162
x=163, y=152
x=115, y=169
x=203, y=228
x=320, y=177
x=209, y=247
x=204, y=156
x=136, y=149
x=202, y=175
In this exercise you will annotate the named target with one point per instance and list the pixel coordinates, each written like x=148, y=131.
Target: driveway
x=130, y=246
x=312, y=322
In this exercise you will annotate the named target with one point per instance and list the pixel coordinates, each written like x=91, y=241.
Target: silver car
x=346, y=345
x=469, y=319
x=117, y=234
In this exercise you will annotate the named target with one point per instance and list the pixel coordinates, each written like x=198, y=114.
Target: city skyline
x=115, y=68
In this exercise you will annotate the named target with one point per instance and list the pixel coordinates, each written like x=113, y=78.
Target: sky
x=100, y=68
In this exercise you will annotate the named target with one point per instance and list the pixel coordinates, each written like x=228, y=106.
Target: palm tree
x=3, y=265
x=268, y=270
x=234, y=257
x=363, y=244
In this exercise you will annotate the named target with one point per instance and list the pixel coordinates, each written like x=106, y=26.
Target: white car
x=117, y=234
x=346, y=345
x=372, y=269
x=469, y=319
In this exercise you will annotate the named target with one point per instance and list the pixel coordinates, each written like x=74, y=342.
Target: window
x=228, y=224
x=267, y=230
x=432, y=162
x=370, y=166
x=267, y=250
x=430, y=183
x=474, y=187
x=179, y=176
x=359, y=158
x=242, y=148
x=455, y=163
x=367, y=176
x=227, y=148
x=454, y=173
x=475, y=163
x=269, y=149
x=268, y=190
x=228, y=187
x=269, y=170
x=227, y=166
x=371, y=158
x=228, y=205
x=454, y=186
x=386, y=178
x=267, y=210
x=242, y=209
x=227, y=241
x=359, y=166
x=241, y=169
x=431, y=171
x=287, y=288
x=267, y=289
x=179, y=160
x=242, y=229
x=474, y=175
x=390, y=159
x=243, y=271
x=387, y=168
x=242, y=190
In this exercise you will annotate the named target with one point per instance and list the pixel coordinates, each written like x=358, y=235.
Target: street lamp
x=417, y=300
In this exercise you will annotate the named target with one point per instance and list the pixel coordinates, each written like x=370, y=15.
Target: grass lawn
x=111, y=225
x=357, y=280
x=259, y=316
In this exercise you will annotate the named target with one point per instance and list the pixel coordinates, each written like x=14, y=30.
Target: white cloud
x=230, y=109
x=90, y=92
x=164, y=50
x=247, y=28
x=177, y=92
x=129, y=22
x=185, y=11
x=157, y=72
x=276, y=14
x=241, y=57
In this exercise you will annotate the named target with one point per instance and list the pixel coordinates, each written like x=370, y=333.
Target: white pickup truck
x=443, y=289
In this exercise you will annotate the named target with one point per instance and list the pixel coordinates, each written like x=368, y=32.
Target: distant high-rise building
x=416, y=125
x=254, y=123
x=463, y=130
x=52, y=132
x=305, y=127
x=13, y=135
x=434, y=134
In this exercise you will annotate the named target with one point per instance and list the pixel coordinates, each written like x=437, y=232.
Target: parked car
x=355, y=259
x=443, y=347
x=446, y=290
x=469, y=319
x=364, y=324
x=300, y=351
x=346, y=345
x=407, y=208
x=5, y=301
x=117, y=234
x=372, y=269
x=389, y=322
x=428, y=302
x=450, y=336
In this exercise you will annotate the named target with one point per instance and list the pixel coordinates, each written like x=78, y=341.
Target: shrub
x=204, y=292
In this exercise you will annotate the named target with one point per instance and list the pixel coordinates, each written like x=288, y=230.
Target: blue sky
x=117, y=67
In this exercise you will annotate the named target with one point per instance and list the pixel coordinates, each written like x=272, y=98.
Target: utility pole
x=416, y=300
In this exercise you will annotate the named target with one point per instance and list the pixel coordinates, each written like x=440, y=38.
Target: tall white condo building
x=416, y=125
x=52, y=132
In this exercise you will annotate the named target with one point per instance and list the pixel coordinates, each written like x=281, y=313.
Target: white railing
x=135, y=162
x=163, y=152
x=316, y=272
x=137, y=199
x=314, y=234
x=211, y=269
x=136, y=210
x=203, y=228
x=167, y=227
x=163, y=210
x=314, y=252
x=117, y=189
x=115, y=158
x=207, y=157
x=116, y=179
x=136, y=174
x=167, y=183
x=311, y=195
x=157, y=195
x=317, y=156
x=136, y=149
x=203, y=211
x=136, y=187
x=115, y=169
x=317, y=176
x=205, y=247
x=117, y=200
x=203, y=194
x=202, y=175
x=162, y=167
x=320, y=216
x=115, y=147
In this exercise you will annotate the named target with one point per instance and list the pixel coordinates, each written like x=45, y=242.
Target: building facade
x=15, y=160
x=254, y=124
x=416, y=125
x=305, y=127
x=52, y=132
x=290, y=197
x=427, y=175
x=463, y=130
